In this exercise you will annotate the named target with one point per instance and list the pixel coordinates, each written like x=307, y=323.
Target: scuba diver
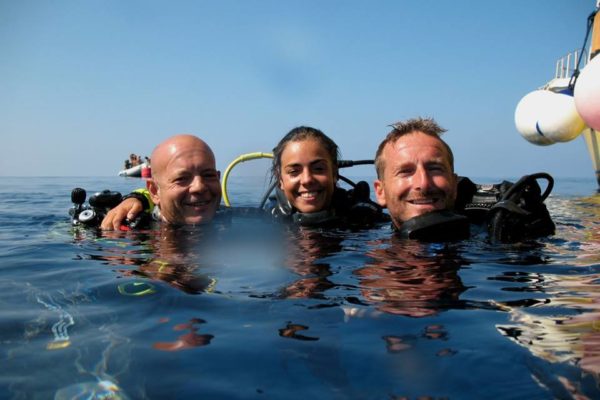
x=184, y=190
x=304, y=177
x=416, y=182
x=426, y=200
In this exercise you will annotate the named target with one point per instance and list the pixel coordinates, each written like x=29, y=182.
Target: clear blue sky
x=85, y=83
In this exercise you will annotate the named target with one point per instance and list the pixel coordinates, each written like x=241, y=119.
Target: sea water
x=253, y=311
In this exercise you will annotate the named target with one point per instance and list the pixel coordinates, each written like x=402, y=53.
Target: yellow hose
x=242, y=158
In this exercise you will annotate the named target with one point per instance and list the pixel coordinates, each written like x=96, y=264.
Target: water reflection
x=410, y=278
x=566, y=327
x=187, y=340
x=167, y=254
x=306, y=249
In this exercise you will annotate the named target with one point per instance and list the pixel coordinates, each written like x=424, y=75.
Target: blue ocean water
x=250, y=310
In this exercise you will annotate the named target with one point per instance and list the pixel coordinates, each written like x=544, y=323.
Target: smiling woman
x=305, y=164
x=305, y=170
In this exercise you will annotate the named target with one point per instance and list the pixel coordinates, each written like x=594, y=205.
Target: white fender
x=587, y=94
x=544, y=117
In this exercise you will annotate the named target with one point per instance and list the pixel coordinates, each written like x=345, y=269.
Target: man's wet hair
x=298, y=134
x=424, y=125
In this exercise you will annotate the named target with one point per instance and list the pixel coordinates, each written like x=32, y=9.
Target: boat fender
x=543, y=117
x=436, y=226
x=587, y=94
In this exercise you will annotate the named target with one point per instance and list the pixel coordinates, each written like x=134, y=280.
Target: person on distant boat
x=184, y=188
x=416, y=182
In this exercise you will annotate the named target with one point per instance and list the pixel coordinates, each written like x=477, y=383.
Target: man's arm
x=131, y=207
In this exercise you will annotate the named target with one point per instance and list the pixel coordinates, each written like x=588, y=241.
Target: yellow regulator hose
x=242, y=158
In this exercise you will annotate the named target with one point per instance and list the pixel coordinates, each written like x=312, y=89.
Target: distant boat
x=139, y=171
x=568, y=105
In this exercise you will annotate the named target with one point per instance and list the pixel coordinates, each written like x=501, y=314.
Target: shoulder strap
x=521, y=213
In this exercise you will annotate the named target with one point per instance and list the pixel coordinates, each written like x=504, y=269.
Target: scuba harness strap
x=511, y=212
x=521, y=212
x=353, y=207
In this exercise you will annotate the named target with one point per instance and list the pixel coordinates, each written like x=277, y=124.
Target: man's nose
x=198, y=184
x=422, y=179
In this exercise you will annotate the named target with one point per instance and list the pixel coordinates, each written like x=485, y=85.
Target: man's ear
x=154, y=191
x=379, y=192
x=455, y=186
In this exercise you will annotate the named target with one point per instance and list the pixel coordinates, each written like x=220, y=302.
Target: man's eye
x=437, y=168
x=210, y=175
x=181, y=179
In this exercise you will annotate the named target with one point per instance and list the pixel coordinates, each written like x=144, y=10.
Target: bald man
x=184, y=186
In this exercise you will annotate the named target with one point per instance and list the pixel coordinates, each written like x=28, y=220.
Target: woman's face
x=307, y=175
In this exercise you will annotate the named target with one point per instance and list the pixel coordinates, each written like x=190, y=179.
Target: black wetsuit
x=349, y=209
x=507, y=212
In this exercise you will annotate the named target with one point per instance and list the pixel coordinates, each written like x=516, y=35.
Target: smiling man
x=185, y=185
x=415, y=171
x=185, y=182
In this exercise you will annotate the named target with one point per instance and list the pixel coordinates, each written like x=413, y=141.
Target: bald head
x=185, y=182
x=175, y=147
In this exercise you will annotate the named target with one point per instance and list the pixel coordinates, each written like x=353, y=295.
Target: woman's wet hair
x=298, y=134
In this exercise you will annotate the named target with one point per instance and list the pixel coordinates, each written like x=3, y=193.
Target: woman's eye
x=321, y=168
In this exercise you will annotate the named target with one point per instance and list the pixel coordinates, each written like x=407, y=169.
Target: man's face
x=188, y=189
x=417, y=177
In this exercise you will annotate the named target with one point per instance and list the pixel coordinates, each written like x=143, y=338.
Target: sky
x=84, y=83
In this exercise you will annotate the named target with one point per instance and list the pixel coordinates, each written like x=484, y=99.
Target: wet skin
x=308, y=177
x=417, y=178
x=186, y=183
